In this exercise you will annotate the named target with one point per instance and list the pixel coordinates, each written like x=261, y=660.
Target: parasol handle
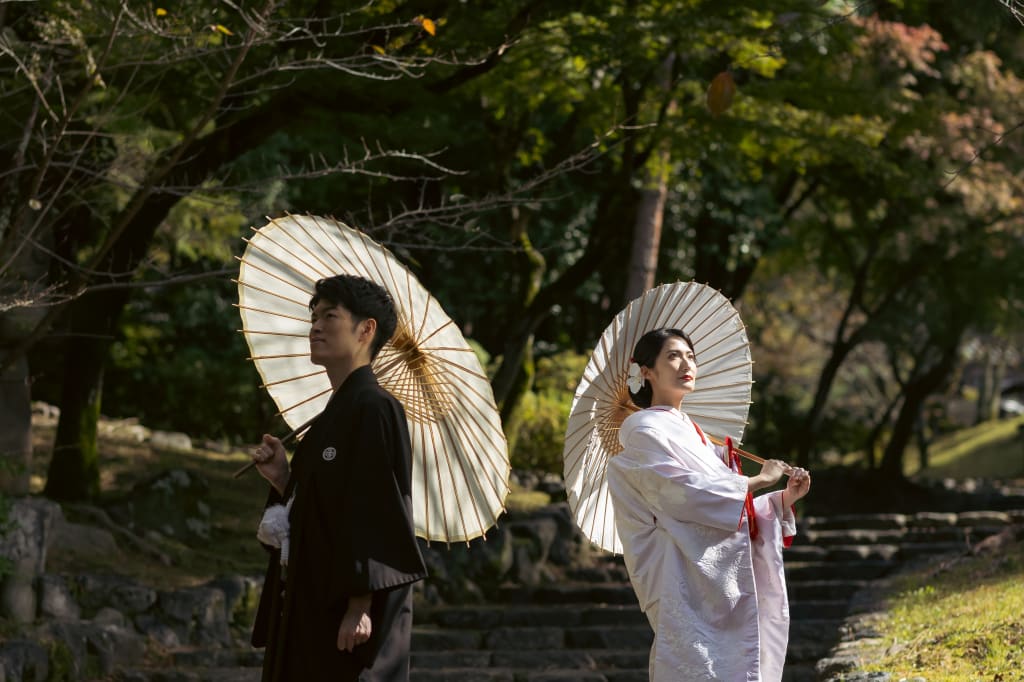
x=748, y=455
x=287, y=437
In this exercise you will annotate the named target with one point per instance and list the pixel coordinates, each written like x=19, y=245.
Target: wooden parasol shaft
x=748, y=455
x=287, y=437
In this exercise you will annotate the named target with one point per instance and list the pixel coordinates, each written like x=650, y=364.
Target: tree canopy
x=847, y=173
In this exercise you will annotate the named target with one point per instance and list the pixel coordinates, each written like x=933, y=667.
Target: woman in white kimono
x=704, y=557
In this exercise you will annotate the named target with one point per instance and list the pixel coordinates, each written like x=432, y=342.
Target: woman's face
x=674, y=372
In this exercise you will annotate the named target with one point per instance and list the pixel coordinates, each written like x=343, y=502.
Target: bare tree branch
x=979, y=153
x=1016, y=8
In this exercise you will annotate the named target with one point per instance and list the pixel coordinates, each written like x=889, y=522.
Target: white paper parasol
x=460, y=456
x=719, y=404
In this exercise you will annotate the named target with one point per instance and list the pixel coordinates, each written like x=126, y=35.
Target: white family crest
x=330, y=454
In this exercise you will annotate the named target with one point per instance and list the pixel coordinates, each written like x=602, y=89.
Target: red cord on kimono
x=748, y=504
x=734, y=464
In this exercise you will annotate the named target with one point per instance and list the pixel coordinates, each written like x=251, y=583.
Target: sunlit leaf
x=221, y=28
x=161, y=12
x=428, y=25
x=720, y=93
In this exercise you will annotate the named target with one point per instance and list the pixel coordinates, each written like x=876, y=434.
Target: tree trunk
x=516, y=378
x=15, y=429
x=643, y=259
x=915, y=393
x=511, y=414
x=808, y=435
x=74, y=473
x=74, y=469
x=876, y=432
x=609, y=215
x=842, y=344
x=922, y=437
x=991, y=382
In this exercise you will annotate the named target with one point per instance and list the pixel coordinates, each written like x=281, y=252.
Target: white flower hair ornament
x=635, y=380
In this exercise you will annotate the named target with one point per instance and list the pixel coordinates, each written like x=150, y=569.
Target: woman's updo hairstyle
x=645, y=354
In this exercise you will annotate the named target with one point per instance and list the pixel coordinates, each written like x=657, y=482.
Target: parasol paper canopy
x=460, y=456
x=719, y=404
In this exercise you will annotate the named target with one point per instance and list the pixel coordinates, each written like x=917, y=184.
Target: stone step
x=824, y=589
x=838, y=570
x=824, y=631
x=590, y=659
x=961, y=534
x=919, y=549
x=851, y=521
x=486, y=616
x=569, y=593
x=608, y=637
x=853, y=536
x=218, y=658
x=800, y=553
x=451, y=658
x=801, y=672
x=809, y=650
x=907, y=521
x=990, y=519
x=433, y=638
x=944, y=534
x=455, y=674
x=820, y=608
x=793, y=672
x=184, y=674
x=924, y=534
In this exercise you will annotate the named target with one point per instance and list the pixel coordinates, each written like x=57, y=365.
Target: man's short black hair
x=364, y=300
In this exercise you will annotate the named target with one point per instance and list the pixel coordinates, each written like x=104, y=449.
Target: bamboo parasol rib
x=601, y=403
x=460, y=457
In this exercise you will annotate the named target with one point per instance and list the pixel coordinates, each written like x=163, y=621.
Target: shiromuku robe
x=715, y=598
x=351, y=532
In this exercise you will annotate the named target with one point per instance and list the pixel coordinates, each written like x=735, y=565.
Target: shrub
x=542, y=414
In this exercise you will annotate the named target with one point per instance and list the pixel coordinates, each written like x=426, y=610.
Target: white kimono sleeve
x=674, y=489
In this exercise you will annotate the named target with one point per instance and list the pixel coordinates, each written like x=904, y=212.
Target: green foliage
x=180, y=365
x=62, y=663
x=776, y=412
x=543, y=414
x=524, y=502
x=244, y=613
x=559, y=374
x=542, y=419
x=858, y=164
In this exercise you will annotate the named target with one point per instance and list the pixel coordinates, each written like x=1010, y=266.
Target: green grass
x=962, y=621
x=526, y=501
x=990, y=450
x=965, y=619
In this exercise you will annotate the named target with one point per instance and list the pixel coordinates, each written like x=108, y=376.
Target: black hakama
x=351, y=533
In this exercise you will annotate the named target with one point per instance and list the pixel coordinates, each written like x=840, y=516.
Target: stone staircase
x=588, y=631
x=587, y=627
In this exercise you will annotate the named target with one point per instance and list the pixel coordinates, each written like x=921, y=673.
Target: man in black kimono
x=342, y=607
